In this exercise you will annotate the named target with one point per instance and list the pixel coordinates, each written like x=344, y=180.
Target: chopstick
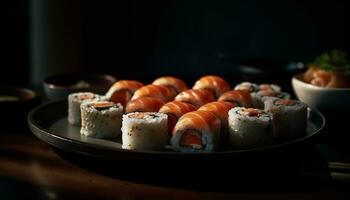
x=329, y=172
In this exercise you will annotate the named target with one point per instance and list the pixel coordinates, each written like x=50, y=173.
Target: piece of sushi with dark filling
x=74, y=102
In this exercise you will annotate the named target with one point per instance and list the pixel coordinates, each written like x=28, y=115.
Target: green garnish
x=335, y=60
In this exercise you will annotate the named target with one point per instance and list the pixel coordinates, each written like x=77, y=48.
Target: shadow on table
x=265, y=175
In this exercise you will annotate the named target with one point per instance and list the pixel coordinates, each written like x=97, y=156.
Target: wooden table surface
x=30, y=168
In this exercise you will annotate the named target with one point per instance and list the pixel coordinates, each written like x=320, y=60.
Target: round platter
x=49, y=123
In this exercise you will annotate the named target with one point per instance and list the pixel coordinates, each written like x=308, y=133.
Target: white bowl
x=330, y=101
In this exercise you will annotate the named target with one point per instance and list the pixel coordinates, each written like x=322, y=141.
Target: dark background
x=145, y=39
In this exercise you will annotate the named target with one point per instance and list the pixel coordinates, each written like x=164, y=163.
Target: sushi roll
x=144, y=131
x=195, y=97
x=250, y=87
x=249, y=127
x=101, y=119
x=174, y=110
x=197, y=131
x=175, y=85
x=122, y=91
x=74, y=102
x=241, y=98
x=259, y=97
x=289, y=118
x=265, y=92
x=214, y=84
x=144, y=104
x=220, y=109
x=273, y=87
x=156, y=91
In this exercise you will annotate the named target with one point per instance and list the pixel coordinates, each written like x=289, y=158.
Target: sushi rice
x=144, y=131
x=289, y=118
x=249, y=127
x=74, y=102
x=101, y=119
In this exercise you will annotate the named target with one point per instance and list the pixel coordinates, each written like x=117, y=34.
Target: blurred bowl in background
x=16, y=103
x=60, y=86
x=334, y=103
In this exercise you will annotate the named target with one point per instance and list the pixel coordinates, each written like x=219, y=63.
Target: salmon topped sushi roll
x=174, y=84
x=122, y=91
x=241, y=98
x=156, y=91
x=197, y=131
x=215, y=84
x=195, y=97
x=174, y=110
x=144, y=104
x=220, y=109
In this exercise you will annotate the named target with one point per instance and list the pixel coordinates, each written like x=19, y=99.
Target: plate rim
x=47, y=137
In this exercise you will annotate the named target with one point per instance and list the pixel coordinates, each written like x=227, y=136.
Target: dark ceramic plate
x=49, y=123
